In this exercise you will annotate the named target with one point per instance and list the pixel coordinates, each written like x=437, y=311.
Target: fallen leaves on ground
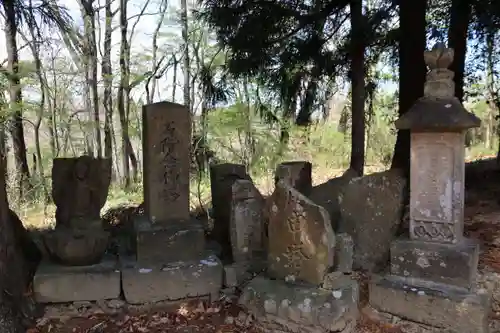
x=188, y=318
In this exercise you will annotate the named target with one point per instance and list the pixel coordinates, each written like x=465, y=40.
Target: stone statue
x=79, y=189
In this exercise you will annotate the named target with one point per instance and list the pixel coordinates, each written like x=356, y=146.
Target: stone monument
x=78, y=243
x=222, y=178
x=171, y=258
x=298, y=293
x=248, y=225
x=247, y=222
x=296, y=173
x=432, y=276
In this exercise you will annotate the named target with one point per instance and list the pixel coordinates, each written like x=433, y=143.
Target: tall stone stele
x=433, y=273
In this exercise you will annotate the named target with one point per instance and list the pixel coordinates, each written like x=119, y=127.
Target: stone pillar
x=222, y=178
x=247, y=222
x=297, y=173
x=166, y=162
x=165, y=231
x=435, y=270
x=172, y=261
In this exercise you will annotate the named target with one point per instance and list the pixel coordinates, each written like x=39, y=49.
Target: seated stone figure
x=79, y=189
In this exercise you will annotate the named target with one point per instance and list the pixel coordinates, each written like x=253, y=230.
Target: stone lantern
x=432, y=274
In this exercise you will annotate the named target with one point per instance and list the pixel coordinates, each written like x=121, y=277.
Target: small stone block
x=454, y=264
x=162, y=243
x=235, y=274
x=230, y=276
x=344, y=252
x=282, y=307
x=337, y=280
x=455, y=310
x=55, y=283
x=174, y=281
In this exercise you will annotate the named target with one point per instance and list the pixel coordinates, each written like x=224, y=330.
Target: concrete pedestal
x=166, y=242
x=282, y=307
x=438, y=305
x=453, y=264
x=155, y=282
x=55, y=283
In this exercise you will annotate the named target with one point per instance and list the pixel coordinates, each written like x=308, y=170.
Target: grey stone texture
x=327, y=195
x=453, y=264
x=247, y=222
x=301, y=239
x=165, y=242
x=437, y=187
x=167, y=161
x=282, y=307
x=371, y=209
x=76, y=247
x=59, y=284
x=450, y=309
x=436, y=270
x=222, y=178
x=344, y=253
x=150, y=283
x=298, y=174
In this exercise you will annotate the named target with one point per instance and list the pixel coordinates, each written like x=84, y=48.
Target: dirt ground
x=482, y=221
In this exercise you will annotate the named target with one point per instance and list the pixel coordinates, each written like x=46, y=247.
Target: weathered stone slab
x=222, y=178
x=327, y=195
x=452, y=309
x=239, y=273
x=235, y=274
x=371, y=209
x=166, y=146
x=58, y=284
x=173, y=281
x=454, y=264
x=282, y=307
x=247, y=221
x=338, y=280
x=296, y=173
x=301, y=239
x=344, y=253
x=437, y=186
x=162, y=243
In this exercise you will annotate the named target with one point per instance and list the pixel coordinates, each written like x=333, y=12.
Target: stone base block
x=175, y=241
x=177, y=280
x=453, y=264
x=450, y=309
x=282, y=307
x=58, y=284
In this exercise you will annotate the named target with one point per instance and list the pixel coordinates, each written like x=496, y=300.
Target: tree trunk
x=15, y=273
x=90, y=62
x=187, y=71
x=108, y=81
x=124, y=81
x=174, y=78
x=54, y=145
x=491, y=93
x=457, y=39
x=35, y=50
x=151, y=94
x=17, y=130
x=357, y=87
x=412, y=70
